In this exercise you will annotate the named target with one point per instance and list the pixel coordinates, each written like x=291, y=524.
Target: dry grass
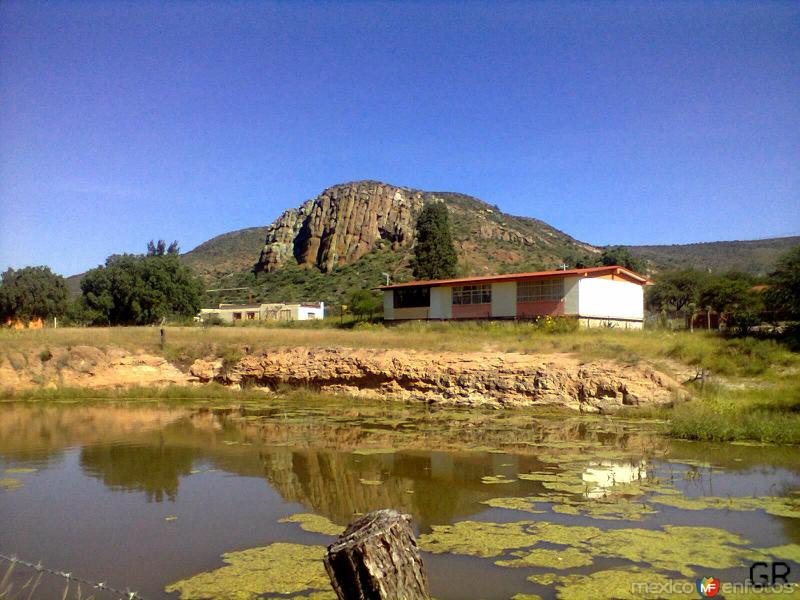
x=732, y=357
x=759, y=401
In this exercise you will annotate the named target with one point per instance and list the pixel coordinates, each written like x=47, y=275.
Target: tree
x=160, y=248
x=583, y=260
x=621, y=256
x=434, y=254
x=674, y=291
x=734, y=299
x=783, y=294
x=364, y=302
x=32, y=292
x=141, y=290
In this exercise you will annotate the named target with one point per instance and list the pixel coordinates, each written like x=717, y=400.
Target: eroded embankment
x=472, y=379
x=444, y=377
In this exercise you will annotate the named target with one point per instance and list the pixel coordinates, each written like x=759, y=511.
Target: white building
x=231, y=313
x=598, y=297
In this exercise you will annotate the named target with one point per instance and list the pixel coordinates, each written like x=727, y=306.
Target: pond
x=150, y=496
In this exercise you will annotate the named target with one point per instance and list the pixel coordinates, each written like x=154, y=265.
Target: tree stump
x=376, y=558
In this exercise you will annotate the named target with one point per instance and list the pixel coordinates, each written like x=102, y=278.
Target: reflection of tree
x=153, y=470
x=435, y=487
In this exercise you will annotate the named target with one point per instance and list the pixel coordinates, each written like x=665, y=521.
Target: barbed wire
x=39, y=567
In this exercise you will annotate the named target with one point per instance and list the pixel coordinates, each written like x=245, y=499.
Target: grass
x=757, y=398
x=745, y=357
x=769, y=414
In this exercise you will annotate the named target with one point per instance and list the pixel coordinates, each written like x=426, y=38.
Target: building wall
x=305, y=313
x=504, y=299
x=421, y=312
x=607, y=299
x=388, y=305
x=614, y=323
x=529, y=310
x=596, y=301
x=441, y=303
x=571, y=295
x=472, y=311
x=265, y=312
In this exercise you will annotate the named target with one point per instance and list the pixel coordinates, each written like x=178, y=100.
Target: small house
x=610, y=296
x=233, y=313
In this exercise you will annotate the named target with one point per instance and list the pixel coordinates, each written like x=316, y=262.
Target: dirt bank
x=469, y=379
x=87, y=367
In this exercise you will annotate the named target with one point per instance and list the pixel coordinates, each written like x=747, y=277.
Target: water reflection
x=229, y=475
x=154, y=470
x=601, y=477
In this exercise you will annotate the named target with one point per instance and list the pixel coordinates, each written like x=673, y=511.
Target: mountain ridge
x=352, y=234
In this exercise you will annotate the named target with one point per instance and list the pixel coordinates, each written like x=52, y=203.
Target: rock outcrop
x=341, y=225
x=87, y=367
x=499, y=380
x=349, y=220
x=496, y=380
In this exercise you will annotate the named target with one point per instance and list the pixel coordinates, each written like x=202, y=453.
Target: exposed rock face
x=341, y=225
x=87, y=366
x=465, y=379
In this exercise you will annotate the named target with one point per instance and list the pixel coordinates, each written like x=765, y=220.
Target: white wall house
x=232, y=313
x=598, y=297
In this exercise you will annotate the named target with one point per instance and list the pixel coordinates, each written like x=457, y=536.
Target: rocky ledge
x=475, y=379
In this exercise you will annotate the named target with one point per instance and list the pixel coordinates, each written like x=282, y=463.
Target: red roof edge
x=591, y=271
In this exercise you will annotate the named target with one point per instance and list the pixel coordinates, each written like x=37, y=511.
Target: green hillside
x=751, y=256
x=228, y=253
x=487, y=240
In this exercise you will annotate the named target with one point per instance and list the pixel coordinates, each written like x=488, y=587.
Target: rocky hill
x=347, y=222
x=351, y=234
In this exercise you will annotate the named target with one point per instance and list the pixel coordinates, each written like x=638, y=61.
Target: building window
x=413, y=297
x=472, y=294
x=237, y=316
x=537, y=291
x=251, y=316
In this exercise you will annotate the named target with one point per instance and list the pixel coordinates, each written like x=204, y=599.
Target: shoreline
x=751, y=394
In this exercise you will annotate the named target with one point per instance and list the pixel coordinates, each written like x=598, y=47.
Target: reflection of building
x=230, y=313
x=600, y=477
x=600, y=296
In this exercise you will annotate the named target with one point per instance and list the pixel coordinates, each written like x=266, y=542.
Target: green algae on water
x=9, y=483
x=622, y=584
x=477, y=538
x=615, y=510
x=676, y=548
x=275, y=569
x=314, y=523
x=371, y=482
x=492, y=479
x=774, y=505
x=513, y=503
x=785, y=552
x=568, y=558
x=544, y=578
x=19, y=471
x=564, y=535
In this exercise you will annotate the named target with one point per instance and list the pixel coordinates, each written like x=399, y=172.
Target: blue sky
x=617, y=122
